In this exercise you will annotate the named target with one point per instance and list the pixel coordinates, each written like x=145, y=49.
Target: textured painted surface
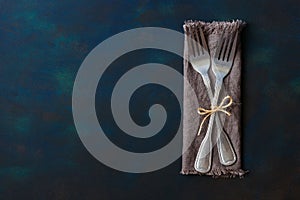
x=42, y=46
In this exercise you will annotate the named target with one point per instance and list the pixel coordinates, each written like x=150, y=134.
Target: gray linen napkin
x=191, y=119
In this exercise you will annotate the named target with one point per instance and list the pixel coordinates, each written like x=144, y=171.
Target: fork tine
x=194, y=42
x=189, y=40
x=224, y=48
x=203, y=39
x=219, y=46
x=198, y=44
x=229, y=46
x=234, y=45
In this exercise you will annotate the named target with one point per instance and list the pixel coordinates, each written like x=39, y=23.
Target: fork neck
x=218, y=87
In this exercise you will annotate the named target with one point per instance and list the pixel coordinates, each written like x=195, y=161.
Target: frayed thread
x=218, y=173
x=215, y=27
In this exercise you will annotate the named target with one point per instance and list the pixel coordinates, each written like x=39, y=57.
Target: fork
x=221, y=66
x=200, y=61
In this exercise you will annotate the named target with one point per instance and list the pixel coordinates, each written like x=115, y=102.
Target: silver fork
x=221, y=66
x=200, y=61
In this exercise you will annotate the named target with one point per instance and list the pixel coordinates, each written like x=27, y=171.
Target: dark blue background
x=42, y=44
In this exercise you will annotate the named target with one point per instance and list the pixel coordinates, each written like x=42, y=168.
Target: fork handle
x=204, y=155
x=204, y=158
x=226, y=152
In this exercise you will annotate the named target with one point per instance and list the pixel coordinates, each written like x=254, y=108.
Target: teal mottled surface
x=42, y=45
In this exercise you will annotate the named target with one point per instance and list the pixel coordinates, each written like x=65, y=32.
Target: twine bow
x=219, y=108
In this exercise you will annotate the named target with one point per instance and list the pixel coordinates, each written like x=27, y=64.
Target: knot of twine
x=219, y=108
